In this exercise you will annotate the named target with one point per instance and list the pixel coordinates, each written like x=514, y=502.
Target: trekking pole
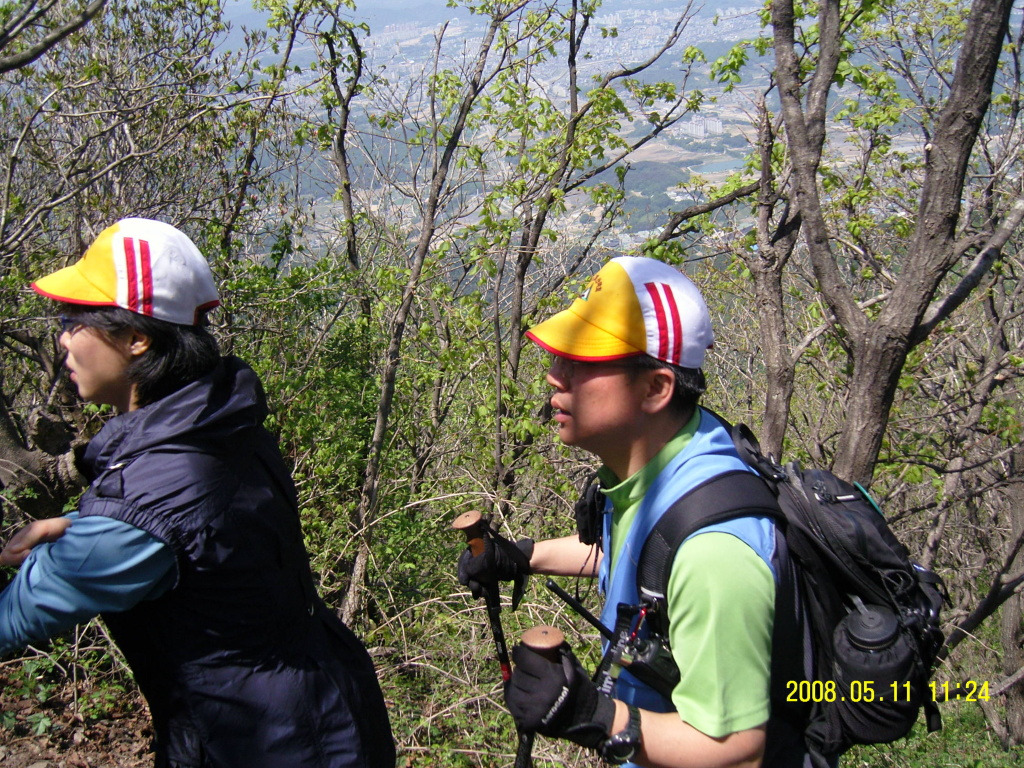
x=470, y=523
x=577, y=606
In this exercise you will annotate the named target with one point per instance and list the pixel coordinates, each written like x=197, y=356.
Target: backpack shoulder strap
x=724, y=497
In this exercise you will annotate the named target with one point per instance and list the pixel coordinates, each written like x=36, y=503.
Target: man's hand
x=34, y=533
x=501, y=560
x=551, y=693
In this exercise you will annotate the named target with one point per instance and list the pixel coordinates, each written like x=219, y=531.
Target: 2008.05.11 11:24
x=865, y=691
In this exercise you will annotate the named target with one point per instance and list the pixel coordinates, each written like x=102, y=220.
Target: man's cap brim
x=566, y=334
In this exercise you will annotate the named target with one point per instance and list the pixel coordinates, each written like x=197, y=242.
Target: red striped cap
x=634, y=305
x=141, y=265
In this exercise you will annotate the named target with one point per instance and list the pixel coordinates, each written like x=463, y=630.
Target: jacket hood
x=214, y=409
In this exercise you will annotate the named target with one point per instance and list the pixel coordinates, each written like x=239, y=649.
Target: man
x=187, y=540
x=626, y=370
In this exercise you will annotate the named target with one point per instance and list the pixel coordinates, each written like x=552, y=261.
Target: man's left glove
x=553, y=695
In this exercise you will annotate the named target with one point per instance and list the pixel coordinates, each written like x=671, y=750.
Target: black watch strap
x=623, y=746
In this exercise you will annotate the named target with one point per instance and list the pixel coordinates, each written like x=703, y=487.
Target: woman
x=187, y=540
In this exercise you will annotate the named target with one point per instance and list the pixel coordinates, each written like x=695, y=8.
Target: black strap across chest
x=724, y=497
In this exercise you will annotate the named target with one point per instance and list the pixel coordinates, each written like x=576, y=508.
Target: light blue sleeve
x=98, y=565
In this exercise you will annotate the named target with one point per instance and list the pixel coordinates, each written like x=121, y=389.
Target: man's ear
x=661, y=386
x=138, y=343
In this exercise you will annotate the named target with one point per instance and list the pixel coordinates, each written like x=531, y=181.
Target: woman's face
x=99, y=365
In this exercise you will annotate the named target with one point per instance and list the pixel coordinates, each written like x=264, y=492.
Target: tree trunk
x=37, y=482
x=878, y=362
x=880, y=345
x=1012, y=625
x=367, y=509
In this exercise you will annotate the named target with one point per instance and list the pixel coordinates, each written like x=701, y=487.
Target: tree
x=47, y=476
x=31, y=29
x=479, y=183
x=915, y=306
x=384, y=233
x=885, y=207
x=131, y=119
x=809, y=64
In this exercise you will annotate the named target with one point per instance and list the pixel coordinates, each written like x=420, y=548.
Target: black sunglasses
x=69, y=324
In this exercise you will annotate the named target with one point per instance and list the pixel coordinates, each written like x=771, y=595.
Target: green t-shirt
x=721, y=605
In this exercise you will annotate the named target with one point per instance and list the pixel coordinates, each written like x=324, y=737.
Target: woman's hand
x=34, y=533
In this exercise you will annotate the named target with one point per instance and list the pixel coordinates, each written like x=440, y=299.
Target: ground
x=52, y=733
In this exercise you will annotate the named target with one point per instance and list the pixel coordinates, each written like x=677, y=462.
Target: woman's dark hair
x=690, y=382
x=177, y=354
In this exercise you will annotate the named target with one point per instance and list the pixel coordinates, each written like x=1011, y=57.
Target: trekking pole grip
x=470, y=523
x=544, y=640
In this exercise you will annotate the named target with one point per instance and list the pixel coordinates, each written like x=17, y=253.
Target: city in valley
x=404, y=39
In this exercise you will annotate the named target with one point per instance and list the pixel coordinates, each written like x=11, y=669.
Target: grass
x=965, y=741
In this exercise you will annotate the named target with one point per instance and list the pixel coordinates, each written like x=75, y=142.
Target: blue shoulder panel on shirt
x=758, y=533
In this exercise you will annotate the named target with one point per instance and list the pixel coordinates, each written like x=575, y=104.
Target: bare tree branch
x=19, y=25
x=980, y=267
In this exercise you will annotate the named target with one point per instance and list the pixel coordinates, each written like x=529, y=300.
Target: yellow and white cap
x=634, y=305
x=141, y=265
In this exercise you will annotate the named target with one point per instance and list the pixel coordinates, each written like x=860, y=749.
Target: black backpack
x=865, y=616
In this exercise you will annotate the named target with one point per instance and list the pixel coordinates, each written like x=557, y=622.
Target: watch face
x=620, y=748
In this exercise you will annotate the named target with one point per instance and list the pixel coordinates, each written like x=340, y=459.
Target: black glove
x=557, y=698
x=501, y=560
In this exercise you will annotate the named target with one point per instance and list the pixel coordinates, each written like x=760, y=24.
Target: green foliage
x=29, y=681
x=75, y=676
x=962, y=743
x=507, y=246
x=728, y=68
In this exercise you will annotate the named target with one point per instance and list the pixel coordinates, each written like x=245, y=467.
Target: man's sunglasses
x=69, y=324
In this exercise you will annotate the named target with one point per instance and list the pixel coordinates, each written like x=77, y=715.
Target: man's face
x=598, y=405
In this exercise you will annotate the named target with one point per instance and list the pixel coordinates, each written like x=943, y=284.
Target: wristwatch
x=623, y=746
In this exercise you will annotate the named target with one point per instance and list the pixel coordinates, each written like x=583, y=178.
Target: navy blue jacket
x=240, y=661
